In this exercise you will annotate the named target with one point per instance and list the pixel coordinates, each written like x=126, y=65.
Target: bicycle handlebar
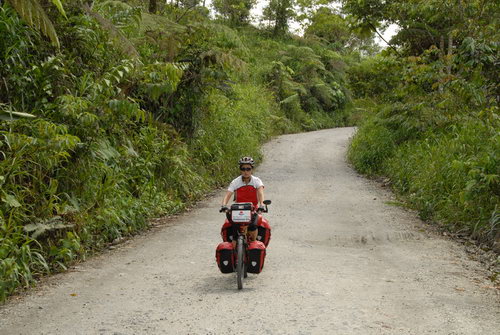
x=225, y=209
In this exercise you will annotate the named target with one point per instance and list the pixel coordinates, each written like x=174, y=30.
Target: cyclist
x=246, y=188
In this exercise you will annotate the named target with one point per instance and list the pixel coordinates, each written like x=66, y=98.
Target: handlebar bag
x=225, y=257
x=241, y=212
x=241, y=206
x=256, y=256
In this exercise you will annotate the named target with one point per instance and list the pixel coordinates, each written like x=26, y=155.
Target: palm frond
x=120, y=40
x=60, y=7
x=32, y=12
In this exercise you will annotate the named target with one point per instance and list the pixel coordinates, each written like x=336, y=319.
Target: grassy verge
x=438, y=142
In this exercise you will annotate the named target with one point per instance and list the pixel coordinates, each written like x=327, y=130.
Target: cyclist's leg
x=233, y=232
x=252, y=229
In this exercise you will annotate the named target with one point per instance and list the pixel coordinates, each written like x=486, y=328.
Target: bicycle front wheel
x=240, y=266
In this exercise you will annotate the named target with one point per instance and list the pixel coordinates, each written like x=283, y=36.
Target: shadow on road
x=224, y=284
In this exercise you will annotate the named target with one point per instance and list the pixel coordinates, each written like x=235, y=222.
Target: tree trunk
x=276, y=19
x=152, y=6
x=461, y=9
x=450, y=54
x=441, y=55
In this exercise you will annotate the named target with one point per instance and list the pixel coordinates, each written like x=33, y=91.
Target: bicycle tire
x=239, y=265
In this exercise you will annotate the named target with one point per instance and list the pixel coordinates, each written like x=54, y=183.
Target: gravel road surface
x=342, y=260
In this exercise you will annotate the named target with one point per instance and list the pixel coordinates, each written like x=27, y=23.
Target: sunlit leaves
x=8, y=114
x=161, y=78
x=35, y=16
x=60, y=7
x=11, y=200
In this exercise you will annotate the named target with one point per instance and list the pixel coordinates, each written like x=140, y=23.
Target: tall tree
x=333, y=29
x=279, y=12
x=153, y=6
x=423, y=23
x=236, y=12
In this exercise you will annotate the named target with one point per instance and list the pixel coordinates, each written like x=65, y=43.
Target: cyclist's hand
x=261, y=209
x=223, y=209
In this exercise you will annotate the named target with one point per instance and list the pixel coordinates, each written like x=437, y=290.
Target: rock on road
x=342, y=260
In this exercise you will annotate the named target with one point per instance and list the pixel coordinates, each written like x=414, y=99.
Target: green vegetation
x=110, y=115
x=431, y=121
x=112, y=112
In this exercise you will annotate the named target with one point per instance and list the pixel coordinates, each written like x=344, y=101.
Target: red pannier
x=256, y=256
x=226, y=232
x=263, y=231
x=225, y=257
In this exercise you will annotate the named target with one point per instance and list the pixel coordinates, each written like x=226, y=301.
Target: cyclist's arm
x=226, y=198
x=260, y=195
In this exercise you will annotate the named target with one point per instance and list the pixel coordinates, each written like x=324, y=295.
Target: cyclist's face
x=246, y=170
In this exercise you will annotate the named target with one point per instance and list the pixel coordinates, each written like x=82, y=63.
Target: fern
x=223, y=59
x=291, y=99
x=118, y=38
x=122, y=15
x=43, y=227
x=32, y=12
x=60, y=7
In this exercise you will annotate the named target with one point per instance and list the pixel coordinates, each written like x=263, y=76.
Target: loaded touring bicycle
x=237, y=253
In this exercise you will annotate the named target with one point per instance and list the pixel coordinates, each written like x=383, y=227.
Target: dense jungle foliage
x=112, y=112
x=432, y=124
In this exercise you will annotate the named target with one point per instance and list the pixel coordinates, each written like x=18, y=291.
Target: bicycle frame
x=241, y=246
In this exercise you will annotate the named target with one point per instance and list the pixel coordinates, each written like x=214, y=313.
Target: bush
x=453, y=178
x=372, y=145
x=374, y=76
x=434, y=134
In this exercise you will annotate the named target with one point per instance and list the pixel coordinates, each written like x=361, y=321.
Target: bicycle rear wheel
x=240, y=266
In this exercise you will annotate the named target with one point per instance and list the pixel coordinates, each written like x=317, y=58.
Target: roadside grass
x=451, y=177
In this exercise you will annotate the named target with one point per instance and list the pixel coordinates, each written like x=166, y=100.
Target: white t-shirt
x=238, y=182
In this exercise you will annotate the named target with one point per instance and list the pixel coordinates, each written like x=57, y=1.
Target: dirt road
x=341, y=261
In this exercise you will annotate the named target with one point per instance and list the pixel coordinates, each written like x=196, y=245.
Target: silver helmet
x=246, y=160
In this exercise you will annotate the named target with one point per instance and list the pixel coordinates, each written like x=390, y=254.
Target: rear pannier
x=256, y=256
x=263, y=231
x=225, y=257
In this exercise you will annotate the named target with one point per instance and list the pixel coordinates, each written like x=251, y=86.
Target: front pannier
x=263, y=231
x=225, y=257
x=256, y=256
x=227, y=232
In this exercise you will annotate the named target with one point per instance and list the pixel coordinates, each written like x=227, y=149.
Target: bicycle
x=241, y=216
